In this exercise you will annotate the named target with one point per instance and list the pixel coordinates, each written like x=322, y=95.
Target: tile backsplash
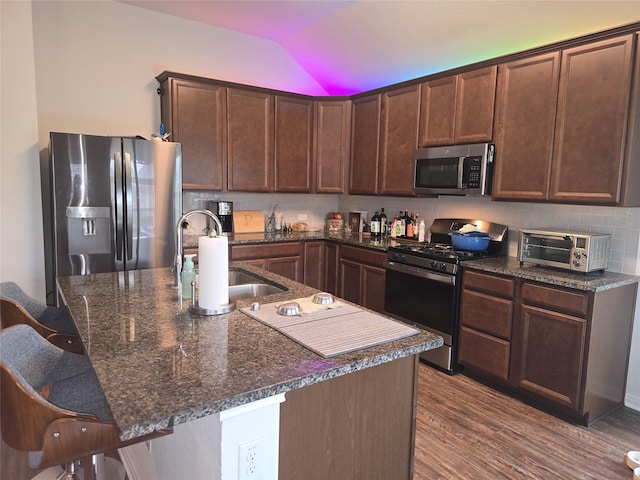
x=622, y=223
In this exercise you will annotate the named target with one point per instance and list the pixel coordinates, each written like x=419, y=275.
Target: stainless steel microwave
x=454, y=170
x=576, y=251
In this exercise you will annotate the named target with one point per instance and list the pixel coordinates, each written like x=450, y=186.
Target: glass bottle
x=383, y=223
x=375, y=225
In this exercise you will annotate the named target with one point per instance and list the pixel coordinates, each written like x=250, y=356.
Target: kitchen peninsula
x=161, y=366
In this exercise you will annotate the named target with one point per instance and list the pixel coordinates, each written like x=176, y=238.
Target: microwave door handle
x=460, y=171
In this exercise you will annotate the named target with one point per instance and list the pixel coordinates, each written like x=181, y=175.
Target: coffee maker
x=224, y=212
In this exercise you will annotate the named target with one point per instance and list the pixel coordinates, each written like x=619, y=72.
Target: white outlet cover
x=251, y=460
x=302, y=216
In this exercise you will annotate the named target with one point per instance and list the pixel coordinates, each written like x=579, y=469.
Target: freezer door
x=152, y=173
x=83, y=216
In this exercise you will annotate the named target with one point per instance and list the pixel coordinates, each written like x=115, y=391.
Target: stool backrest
x=11, y=313
x=25, y=362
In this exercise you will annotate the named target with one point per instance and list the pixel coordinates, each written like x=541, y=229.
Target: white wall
x=96, y=63
x=89, y=67
x=21, y=245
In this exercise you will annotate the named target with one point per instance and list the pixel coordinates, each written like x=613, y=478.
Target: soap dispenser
x=188, y=276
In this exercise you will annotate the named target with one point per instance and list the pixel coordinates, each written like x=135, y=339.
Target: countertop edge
x=178, y=418
x=592, y=282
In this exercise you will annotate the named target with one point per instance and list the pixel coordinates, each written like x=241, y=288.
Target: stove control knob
x=434, y=264
x=443, y=266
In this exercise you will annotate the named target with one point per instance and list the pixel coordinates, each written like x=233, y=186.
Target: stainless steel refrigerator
x=109, y=204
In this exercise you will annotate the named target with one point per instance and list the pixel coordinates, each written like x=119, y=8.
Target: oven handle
x=421, y=272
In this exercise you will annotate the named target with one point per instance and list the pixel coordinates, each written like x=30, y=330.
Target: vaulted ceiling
x=349, y=46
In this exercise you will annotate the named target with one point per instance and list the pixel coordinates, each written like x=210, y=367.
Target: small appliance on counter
x=224, y=212
x=574, y=251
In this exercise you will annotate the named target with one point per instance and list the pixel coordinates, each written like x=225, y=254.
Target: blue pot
x=472, y=241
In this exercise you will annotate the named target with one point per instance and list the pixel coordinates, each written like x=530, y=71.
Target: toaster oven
x=575, y=251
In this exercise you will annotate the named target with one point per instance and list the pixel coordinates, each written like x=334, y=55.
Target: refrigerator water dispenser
x=89, y=230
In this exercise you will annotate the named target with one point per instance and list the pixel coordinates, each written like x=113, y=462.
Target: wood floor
x=466, y=430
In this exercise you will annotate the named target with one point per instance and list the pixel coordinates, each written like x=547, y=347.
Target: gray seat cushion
x=37, y=363
x=55, y=318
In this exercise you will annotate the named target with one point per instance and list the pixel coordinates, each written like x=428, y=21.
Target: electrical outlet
x=302, y=216
x=251, y=460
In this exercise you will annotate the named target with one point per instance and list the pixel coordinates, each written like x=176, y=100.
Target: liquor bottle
x=402, y=229
x=383, y=223
x=416, y=225
x=375, y=225
x=410, y=226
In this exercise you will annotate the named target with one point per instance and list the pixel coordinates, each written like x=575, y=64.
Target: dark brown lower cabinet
x=550, y=360
x=362, y=276
x=486, y=317
x=352, y=427
x=281, y=258
x=563, y=348
x=314, y=260
x=331, y=267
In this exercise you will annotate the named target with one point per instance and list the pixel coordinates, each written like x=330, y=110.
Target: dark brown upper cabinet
x=250, y=140
x=566, y=127
x=332, y=145
x=399, y=140
x=525, y=116
x=294, y=136
x=593, y=110
x=459, y=108
x=561, y=125
x=365, y=141
x=194, y=113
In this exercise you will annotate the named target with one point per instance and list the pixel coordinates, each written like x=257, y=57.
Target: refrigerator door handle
x=129, y=200
x=119, y=207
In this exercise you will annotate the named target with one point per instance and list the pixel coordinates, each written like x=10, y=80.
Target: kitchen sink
x=240, y=277
x=253, y=290
x=243, y=285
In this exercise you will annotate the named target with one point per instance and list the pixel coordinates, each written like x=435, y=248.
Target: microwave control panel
x=472, y=171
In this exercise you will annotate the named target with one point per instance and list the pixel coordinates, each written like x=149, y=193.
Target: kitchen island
x=161, y=367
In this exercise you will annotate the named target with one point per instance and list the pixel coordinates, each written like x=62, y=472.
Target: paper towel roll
x=213, y=281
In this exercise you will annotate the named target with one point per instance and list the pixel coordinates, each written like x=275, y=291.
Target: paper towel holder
x=198, y=310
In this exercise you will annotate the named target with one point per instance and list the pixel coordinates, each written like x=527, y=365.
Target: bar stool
x=53, y=323
x=52, y=405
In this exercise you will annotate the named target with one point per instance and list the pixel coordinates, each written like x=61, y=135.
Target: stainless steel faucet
x=177, y=280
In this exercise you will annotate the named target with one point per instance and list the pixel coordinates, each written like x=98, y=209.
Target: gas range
x=423, y=287
x=439, y=255
x=432, y=256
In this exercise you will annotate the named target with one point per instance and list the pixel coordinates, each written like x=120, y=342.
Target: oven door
x=428, y=300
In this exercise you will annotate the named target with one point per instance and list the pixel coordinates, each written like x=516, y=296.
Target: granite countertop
x=341, y=236
x=593, y=282
x=160, y=365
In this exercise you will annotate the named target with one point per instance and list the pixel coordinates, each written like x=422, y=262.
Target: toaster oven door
x=550, y=250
